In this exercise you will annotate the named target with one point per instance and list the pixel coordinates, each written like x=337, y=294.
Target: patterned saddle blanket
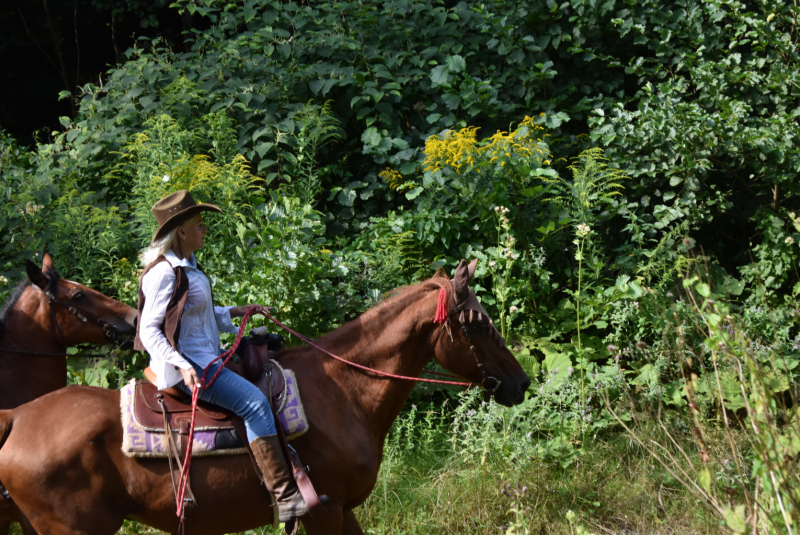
x=215, y=434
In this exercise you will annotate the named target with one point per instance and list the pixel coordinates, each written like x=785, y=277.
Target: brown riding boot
x=278, y=477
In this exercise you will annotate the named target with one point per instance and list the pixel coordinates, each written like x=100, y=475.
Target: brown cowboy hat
x=176, y=208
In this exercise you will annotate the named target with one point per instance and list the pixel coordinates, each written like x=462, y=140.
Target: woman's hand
x=190, y=378
x=238, y=312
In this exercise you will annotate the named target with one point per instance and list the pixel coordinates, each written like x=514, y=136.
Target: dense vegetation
x=625, y=171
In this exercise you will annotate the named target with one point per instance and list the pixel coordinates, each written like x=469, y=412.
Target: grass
x=612, y=487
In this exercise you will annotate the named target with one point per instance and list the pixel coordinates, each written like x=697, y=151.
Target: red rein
x=441, y=307
x=195, y=393
x=441, y=317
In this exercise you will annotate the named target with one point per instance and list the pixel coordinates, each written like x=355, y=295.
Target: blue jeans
x=238, y=395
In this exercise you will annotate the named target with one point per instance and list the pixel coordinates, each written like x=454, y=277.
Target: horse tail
x=6, y=421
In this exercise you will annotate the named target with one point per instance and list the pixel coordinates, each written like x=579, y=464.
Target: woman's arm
x=223, y=316
x=238, y=312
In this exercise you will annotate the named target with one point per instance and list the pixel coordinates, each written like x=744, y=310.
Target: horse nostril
x=524, y=386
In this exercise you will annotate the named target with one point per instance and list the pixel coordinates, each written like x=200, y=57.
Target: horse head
x=81, y=315
x=471, y=345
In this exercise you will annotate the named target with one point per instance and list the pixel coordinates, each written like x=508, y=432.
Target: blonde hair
x=158, y=248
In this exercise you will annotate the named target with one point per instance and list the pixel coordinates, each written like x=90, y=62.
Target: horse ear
x=461, y=279
x=35, y=274
x=47, y=263
x=471, y=269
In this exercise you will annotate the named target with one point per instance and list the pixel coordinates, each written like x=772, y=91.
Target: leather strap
x=173, y=453
x=55, y=319
x=183, y=433
x=111, y=332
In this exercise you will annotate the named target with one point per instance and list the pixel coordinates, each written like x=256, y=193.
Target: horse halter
x=470, y=305
x=111, y=332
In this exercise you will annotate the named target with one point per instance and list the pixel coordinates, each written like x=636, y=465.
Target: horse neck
x=396, y=338
x=29, y=327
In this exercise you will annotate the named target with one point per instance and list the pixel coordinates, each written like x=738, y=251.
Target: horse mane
x=415, y=291
x=401, y=298
x=8, y=306
x=15, y=296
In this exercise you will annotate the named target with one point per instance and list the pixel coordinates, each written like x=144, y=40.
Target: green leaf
x=371, y=137
x=735, y=519
x=346, y=197
x=703, y=289
x=532, y=192
x=554, y=120
x=414, y=193
x=704, y=479
x=440, y=76
x=329, y=83
x=556, y=364
x=262, y=148
x=455, y=63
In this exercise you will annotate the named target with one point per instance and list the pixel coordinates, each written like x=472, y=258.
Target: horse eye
x=77, y=297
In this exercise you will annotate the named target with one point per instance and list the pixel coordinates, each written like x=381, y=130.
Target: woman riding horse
x=179, y=327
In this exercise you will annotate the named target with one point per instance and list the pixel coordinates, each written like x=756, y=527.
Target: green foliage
x=633, y=201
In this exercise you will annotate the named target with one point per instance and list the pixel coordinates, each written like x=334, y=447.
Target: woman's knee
x=256, y=404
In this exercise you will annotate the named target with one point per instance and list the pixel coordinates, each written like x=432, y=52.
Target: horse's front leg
x=325, y=522
x=350, y=525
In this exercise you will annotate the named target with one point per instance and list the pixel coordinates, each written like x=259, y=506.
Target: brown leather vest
x=172, y=320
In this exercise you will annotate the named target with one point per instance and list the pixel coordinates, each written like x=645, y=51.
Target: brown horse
x=35, y=331
x=61, y=461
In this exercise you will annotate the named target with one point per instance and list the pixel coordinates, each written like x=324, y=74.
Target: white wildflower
x=3, y=280
x=513, y=309
x=166, y=178
x=583, y=230
x=31, y=208
x=789, y=240
x=492, y=263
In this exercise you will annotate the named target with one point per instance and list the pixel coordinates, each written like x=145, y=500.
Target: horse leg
x=325, y=522
x=350, y=525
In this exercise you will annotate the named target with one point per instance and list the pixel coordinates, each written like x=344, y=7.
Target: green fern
x=593, y=185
